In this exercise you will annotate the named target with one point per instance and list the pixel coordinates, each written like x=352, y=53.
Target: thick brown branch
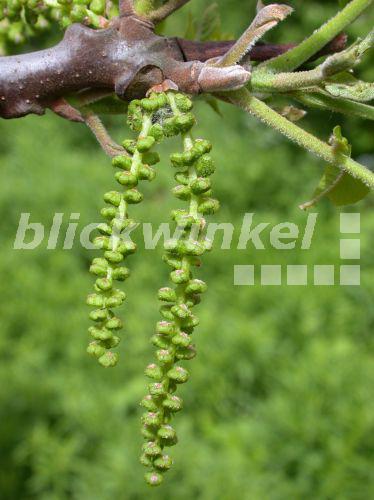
x=127, y=59
x=202, y=51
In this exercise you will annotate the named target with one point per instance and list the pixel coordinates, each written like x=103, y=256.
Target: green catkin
x=132, y=168
x=173, y=337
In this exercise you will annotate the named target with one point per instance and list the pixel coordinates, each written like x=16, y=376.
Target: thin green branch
x=267, y=18
x=300, y=54
x=320, y=100
x=155, y=13
x=243, y=99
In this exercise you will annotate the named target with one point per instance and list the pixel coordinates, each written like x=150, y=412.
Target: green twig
x=300, y=54
x=243, y=99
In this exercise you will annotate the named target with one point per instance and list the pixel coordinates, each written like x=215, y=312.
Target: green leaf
x=209, y=26
x=336, y=185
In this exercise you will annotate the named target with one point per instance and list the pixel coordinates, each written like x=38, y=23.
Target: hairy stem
x=156, y=15
x=301, y=53
x=243, y=99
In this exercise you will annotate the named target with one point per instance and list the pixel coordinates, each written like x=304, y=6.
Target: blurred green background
x=279, y=405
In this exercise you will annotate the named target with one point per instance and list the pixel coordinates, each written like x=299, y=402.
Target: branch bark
x=127, y=58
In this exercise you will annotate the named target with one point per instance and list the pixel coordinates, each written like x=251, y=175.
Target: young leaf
x=338, y=186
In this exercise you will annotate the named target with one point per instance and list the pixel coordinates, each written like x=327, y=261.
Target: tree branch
x=127, y=58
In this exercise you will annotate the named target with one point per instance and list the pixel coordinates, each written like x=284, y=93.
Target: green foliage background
x=279, y=404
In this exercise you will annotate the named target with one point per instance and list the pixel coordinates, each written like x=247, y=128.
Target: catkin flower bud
x=196, y=286
x=160, y=341
x=113, y=197
x=181, y=339
x=152, y=449
x=122, y=161
x=126, y=179
x=153, y=478
x=129, y=145
x=173, y=403
x=95, y=349
x=205, y=166
x=165, y=328
x=209, y=206
x=109, y=359
x=164, y=462
x=179, y=276
x=151, y=158
x=121, y=273
x=133, y=196
x=182, y=192
x=145, y=144
x=178, y=374
x=151, y=418
x=186, y=353
x=108, y=212
x=165, y=356
x=167, y=294
x=154, y=371
x=200, y=185
x=148, y=403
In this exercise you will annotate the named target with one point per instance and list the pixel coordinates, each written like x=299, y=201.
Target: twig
x=166, y=10
x=109, y=146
